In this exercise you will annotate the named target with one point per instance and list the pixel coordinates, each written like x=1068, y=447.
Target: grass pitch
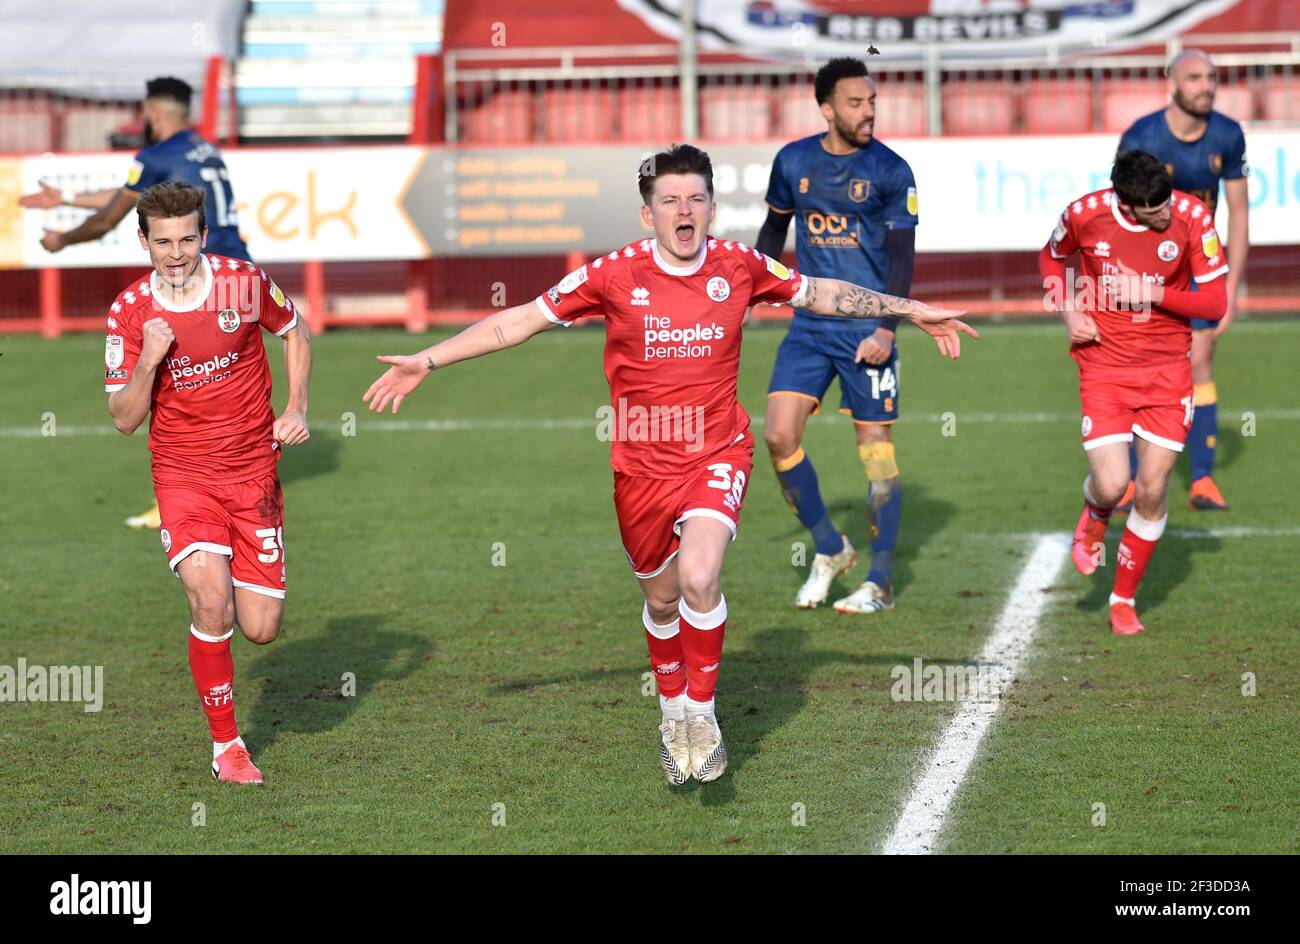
x=503, y=708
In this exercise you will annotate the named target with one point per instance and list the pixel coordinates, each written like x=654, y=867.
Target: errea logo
x=640, y=296
x=1102, y=249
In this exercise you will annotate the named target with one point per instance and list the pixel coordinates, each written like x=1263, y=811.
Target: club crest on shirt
x=1216, y=164
x=228, y=320
x=859, y=190
x=1167, y=251
x=719, y=289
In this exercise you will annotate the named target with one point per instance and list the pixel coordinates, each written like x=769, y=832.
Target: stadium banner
x=330, y=204
x=815, y=30
x=974, y=193
x=394, y=203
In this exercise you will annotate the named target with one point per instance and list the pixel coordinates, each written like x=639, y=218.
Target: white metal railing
x=475, y=80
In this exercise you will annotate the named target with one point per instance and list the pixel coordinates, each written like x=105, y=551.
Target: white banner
x=815, y=30
x=330, y=204
x=339, y=204
x=1006, y=193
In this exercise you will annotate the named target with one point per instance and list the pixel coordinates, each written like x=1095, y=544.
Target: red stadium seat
x=1124, y=101
x=735, y=112
x=504, y=117
x=26, y=126
x=1057, y=105
x=1280, y=99
x=978, y=106
x=1236, y=100
x=900, y=109
x=577, y=114
x=650, y=114
x=797, y=114
x=88, y=127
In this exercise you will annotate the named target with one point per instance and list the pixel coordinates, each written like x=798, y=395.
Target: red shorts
x=244, y=521
x=1119, y=403
x=651, y=511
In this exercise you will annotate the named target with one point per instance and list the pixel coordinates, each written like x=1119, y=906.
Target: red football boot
x=1088, y=533
x=1205, y=496
x=1124, y=620
x=234, y=765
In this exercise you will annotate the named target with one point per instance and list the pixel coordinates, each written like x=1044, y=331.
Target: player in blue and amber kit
x=854, y=204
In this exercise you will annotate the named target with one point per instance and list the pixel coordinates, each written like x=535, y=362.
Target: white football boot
x=708, y=753
x=674, y=751
x=868, y=598
x=825, y=568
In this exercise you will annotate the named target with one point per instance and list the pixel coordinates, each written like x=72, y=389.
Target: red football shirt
x=211, y=415
x=1188, y=250
x=672, y=346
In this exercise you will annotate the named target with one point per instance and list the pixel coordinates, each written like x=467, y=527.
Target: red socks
x=1135, y=549
x=666, y=660
x=214, y=676
x=701, y=635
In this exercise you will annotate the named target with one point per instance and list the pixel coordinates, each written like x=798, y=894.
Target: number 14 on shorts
x=882, y=380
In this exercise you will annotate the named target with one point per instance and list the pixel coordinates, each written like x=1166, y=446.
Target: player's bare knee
x=262, y=631
x=781, y=443
x=701, y=588
x=662, y=610
x=1108, y=488
x=1150, y=497
x=212, y=614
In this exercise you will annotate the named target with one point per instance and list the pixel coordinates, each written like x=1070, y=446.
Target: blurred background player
x=173, y=151
x=673, y=346
x=1199, y=147
x=185, y=348
x=1142, y=246
x=855, y=204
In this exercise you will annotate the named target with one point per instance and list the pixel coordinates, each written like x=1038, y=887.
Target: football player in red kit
x=682, y=450
x=1142, y=244
x=185, y=345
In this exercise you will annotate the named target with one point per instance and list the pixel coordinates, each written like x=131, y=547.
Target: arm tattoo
x=854, y=301
x=501, y=338
x=429, y=364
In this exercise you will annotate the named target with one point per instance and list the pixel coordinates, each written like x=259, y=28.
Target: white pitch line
x=541, y=423
x=918, y=827
x=1175, y=534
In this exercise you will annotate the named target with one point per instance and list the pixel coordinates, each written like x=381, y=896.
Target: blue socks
x=799, y=486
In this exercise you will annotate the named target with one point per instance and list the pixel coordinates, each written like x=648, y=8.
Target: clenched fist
x=291, y=429
x=1082, y=328
x=157, y=341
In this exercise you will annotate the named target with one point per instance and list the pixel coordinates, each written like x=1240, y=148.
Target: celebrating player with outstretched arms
x=682, y=454
x=186, y=345
x=1142, y=245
